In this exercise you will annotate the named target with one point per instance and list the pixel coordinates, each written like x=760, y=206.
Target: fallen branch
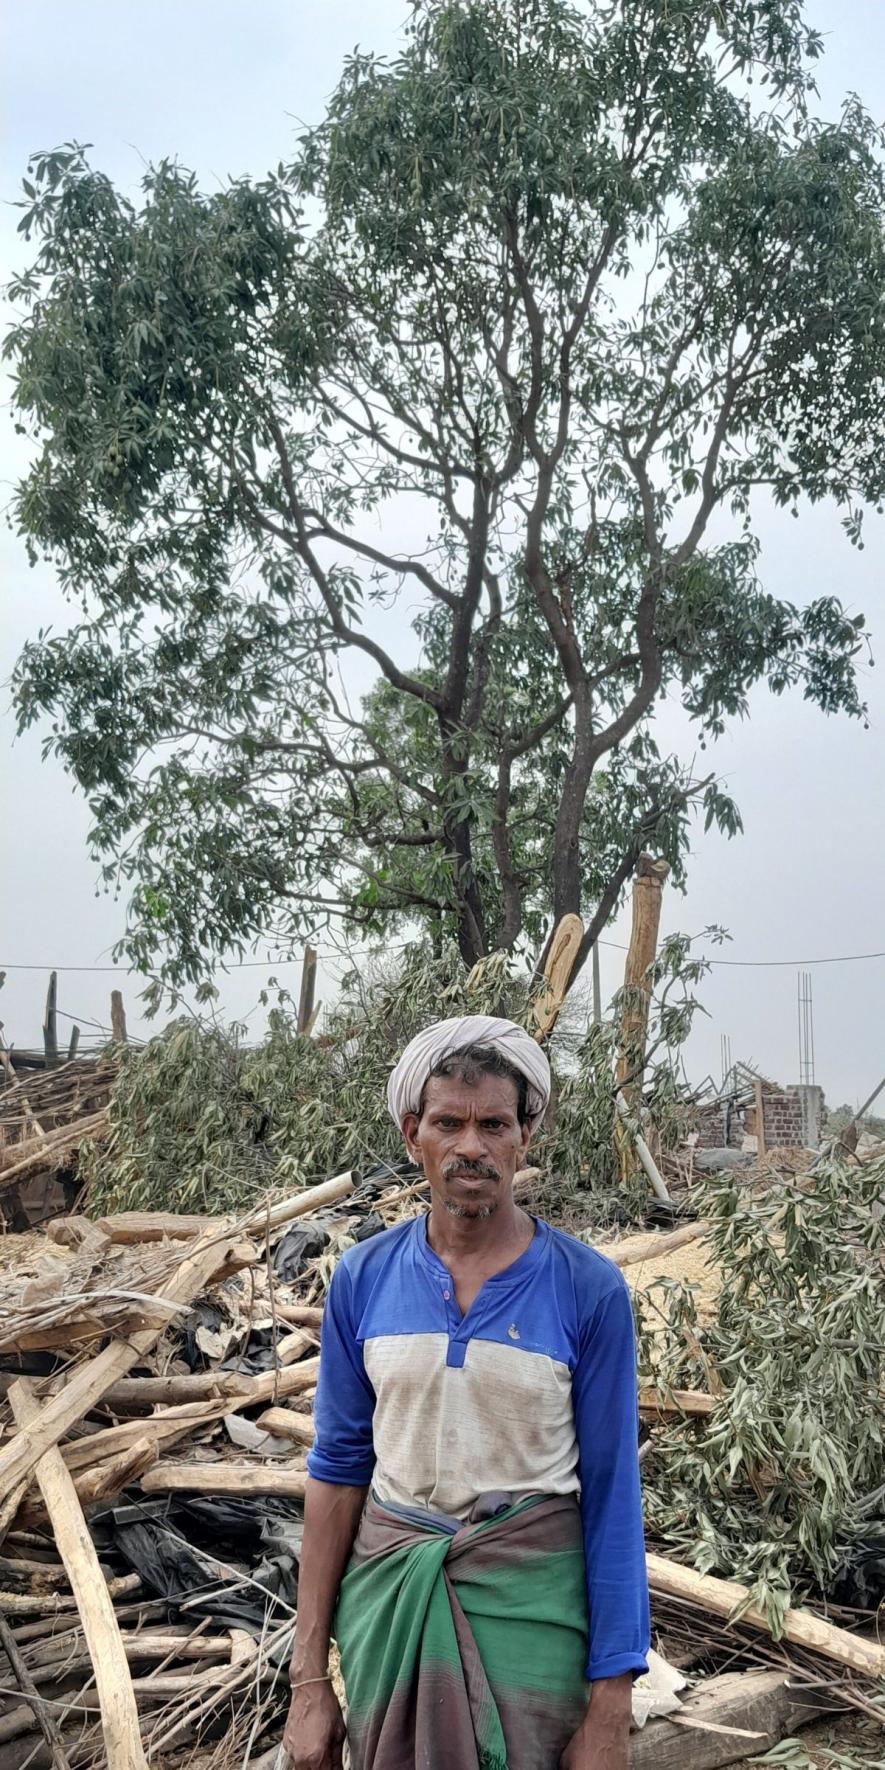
x=138, y=1392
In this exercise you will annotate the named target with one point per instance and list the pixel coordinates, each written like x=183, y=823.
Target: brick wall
x=791, y=1116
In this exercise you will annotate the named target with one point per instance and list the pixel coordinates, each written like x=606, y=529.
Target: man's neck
x=506, y=1233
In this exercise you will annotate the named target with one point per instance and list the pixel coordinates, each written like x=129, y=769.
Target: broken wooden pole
x=50, y=1023
x=559, y=963
x=119, y=1713
x=308, y=991
x=648, y=886
x=118, y=1018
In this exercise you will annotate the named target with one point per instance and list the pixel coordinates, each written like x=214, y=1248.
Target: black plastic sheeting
x=175, y=1548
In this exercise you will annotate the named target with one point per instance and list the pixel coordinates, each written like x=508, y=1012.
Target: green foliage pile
x=780, y=1484
x=201, y=1122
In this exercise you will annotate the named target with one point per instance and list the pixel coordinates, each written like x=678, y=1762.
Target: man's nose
x=471, y=1143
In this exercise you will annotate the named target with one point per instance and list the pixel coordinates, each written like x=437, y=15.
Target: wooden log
x=105, y=1479
x=42, y=1713
x=138, y=1645
x=119, y=1714
x=89, y=1381
x=138, y=1392
x=221, y=1477
x=760, y=1703
x=648, y=888
x=654, y=1247
x=290, y=1347
x=300, y=1314
x=51, y=1604
x=722, y=1597
x=125, y=1227
x=136, y=1226
x=283, y=1422
x=670, y=1403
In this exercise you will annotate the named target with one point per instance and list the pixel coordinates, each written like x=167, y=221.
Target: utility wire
x=618, y=945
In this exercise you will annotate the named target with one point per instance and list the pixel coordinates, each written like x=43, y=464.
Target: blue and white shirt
x=532, y=1391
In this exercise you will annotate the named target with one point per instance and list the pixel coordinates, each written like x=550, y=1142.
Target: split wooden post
x=50, y=1023
x=118, y=1018
x=648, y=886
x=558, y=967
x=73, y=1043
x=119, y=1713
x=308, y=990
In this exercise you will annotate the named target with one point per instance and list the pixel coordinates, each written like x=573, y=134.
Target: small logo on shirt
x=513, y=1331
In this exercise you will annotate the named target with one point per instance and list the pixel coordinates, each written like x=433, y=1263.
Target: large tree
x=549, y=292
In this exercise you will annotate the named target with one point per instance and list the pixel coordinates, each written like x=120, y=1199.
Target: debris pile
x=45, y=1116
x=158, y=1371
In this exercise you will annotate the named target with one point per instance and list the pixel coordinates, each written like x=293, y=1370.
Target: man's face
x=469, y=1142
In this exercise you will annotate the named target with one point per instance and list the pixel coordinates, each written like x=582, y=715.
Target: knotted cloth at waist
x=464, y=1646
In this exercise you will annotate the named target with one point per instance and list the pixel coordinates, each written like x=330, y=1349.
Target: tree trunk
x=647, y=893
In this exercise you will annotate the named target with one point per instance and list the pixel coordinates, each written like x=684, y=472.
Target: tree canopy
x=552, y=290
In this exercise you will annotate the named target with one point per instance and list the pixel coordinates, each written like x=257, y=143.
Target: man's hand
x=601, y=1742
x=314, y=1733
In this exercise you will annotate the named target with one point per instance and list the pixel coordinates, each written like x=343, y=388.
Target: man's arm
x=607, y=1428
x=340, y=1467
x=314, y=1731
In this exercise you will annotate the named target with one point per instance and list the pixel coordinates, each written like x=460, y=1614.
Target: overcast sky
x=224, y=86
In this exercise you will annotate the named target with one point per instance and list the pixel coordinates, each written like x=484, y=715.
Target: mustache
x=464, y=1165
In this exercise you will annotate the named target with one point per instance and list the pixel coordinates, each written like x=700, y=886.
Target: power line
x=617, y=945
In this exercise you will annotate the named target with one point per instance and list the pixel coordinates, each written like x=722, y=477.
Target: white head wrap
x=406, y=1083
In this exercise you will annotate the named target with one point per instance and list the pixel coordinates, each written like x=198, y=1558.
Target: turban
x=406, y=1084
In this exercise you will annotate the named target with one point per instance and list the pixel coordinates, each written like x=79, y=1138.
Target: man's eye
x=492, y=1124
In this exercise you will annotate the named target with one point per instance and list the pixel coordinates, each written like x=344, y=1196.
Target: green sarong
x=465, y=1648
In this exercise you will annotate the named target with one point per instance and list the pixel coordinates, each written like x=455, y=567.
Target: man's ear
x=526, y=1132
x=409, y=1129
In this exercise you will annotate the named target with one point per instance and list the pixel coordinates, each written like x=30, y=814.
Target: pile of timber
x=45, y=1115
x=157, y=1375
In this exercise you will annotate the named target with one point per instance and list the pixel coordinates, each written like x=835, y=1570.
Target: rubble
x=158, y=1375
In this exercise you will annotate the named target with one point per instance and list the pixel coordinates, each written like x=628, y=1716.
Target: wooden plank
x=756, y=1702
x=723, y=1597
x=221, y=1477
x=89, y=1381
x=119, y=1714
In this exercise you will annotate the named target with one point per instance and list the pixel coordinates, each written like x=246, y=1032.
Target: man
x=473, y=1501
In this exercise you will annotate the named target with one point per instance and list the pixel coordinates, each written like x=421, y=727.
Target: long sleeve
x=342, y=1450
x=606, y=1423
